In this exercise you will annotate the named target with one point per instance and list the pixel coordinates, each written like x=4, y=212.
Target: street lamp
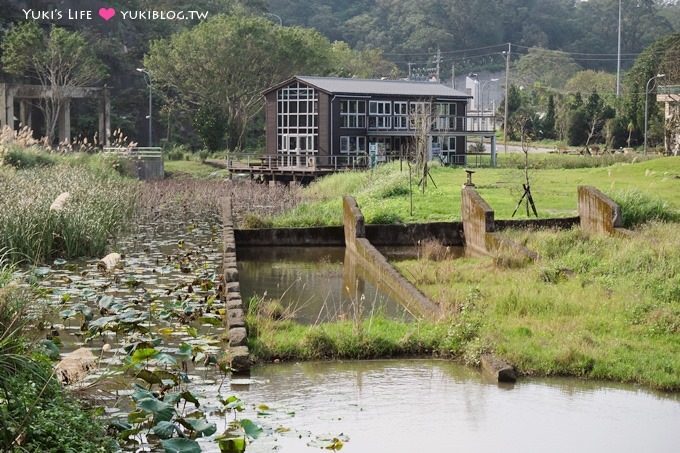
x=484, y=84
x=506, y=55
x=618, y=57
x=148, y=79
x=658, y=76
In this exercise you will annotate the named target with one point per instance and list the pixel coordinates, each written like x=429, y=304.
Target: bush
x=177, y=152
x=23, y=158
x=638, y=208
x=384, y=218
x=35, y=412
x=254, y=221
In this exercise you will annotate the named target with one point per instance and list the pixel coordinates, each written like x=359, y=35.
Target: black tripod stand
x=527, y=189
x=529, y=200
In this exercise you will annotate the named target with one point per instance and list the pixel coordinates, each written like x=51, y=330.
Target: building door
x=296, y=148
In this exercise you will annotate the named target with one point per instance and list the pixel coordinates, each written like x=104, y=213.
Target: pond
x=313, y=284
x=168, y=288
x=436, y=406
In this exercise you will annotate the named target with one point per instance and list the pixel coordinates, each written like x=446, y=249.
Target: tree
x=600, y=81
x=550, y=68
x=365, y=64
x=211, y=125
x=230, y=60
x=59, y=59
x=548, y=123
x=663, y=57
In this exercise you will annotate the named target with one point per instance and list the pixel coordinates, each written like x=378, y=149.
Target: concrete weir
x=374, y=263
x=478, y=233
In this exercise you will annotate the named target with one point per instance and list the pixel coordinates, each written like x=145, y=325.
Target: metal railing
x=303, y=160
x=482, y=122
x=140, y=152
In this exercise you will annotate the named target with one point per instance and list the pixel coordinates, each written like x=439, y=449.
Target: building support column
x=64, y=122
x=7, y=104
x=105, y=118
x=24, y=113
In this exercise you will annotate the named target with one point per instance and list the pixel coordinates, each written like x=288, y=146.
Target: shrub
x=203, y=155
x=638, y=208
x=23, y=158
x=253, y=221
x=177, y=152
x=384, y=217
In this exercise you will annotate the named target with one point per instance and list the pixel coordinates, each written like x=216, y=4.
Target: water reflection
x=316, y=284
x=437, y=406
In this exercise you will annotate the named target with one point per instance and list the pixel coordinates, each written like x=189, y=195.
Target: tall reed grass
x=99, y=207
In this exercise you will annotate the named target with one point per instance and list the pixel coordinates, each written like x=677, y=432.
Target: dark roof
x=338, y=85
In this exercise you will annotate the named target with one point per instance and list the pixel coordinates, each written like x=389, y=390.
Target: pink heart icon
x=107, y=13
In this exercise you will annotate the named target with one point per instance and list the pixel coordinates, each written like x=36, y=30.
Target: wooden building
x=337, y=122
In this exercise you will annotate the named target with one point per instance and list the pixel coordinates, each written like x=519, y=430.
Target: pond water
x=436, y=406
x=391, y=406
x=315, y=284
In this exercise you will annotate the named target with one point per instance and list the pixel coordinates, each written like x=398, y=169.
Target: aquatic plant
x=97, y=209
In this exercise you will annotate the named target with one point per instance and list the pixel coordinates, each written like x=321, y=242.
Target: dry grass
x=187, y=198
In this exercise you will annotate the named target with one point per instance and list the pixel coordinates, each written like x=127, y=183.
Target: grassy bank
x=367, y=339
x=595, y=307
x=384, y=194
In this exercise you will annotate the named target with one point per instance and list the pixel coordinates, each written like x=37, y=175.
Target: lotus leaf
x=181, y=445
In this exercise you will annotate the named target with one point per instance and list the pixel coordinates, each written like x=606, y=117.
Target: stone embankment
x=239, y=356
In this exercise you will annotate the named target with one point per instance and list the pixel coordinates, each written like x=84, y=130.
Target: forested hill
x=411, y=30
x=470, y=33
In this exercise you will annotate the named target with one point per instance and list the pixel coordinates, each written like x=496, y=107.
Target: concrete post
x=105, y=118
x=64, y=124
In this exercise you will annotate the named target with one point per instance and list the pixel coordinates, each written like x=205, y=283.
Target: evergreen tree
x=548, y=126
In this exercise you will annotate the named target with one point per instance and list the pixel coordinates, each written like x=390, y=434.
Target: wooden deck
x=269, y=171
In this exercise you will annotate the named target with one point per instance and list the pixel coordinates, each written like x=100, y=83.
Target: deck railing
x=136, y=151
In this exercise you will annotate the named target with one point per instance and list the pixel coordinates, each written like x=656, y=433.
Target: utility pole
x=439, y=59
x=409, y=71
x=453, y=76
x=505, y=113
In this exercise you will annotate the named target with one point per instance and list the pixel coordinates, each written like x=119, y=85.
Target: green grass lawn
x=596, y=307
x=384, y=194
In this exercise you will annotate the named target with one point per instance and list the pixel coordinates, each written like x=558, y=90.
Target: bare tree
x=421, y=122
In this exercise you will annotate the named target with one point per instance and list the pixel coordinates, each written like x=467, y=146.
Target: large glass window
x=419, y=115
x=446, y=116
x=400, y=115
x=379, y=114
x=352, y=145
x=297, y=118
x=352, y=113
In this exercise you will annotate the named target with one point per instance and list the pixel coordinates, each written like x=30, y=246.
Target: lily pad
x=181, y=445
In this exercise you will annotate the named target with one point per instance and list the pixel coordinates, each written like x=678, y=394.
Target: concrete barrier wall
x=478, y=222
x=146, y=168
x=597, y=212
x=353, y=222
x=479, y=229
x=376, y=266
x=231, y=296
x=291, y=237
x=448, y=233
